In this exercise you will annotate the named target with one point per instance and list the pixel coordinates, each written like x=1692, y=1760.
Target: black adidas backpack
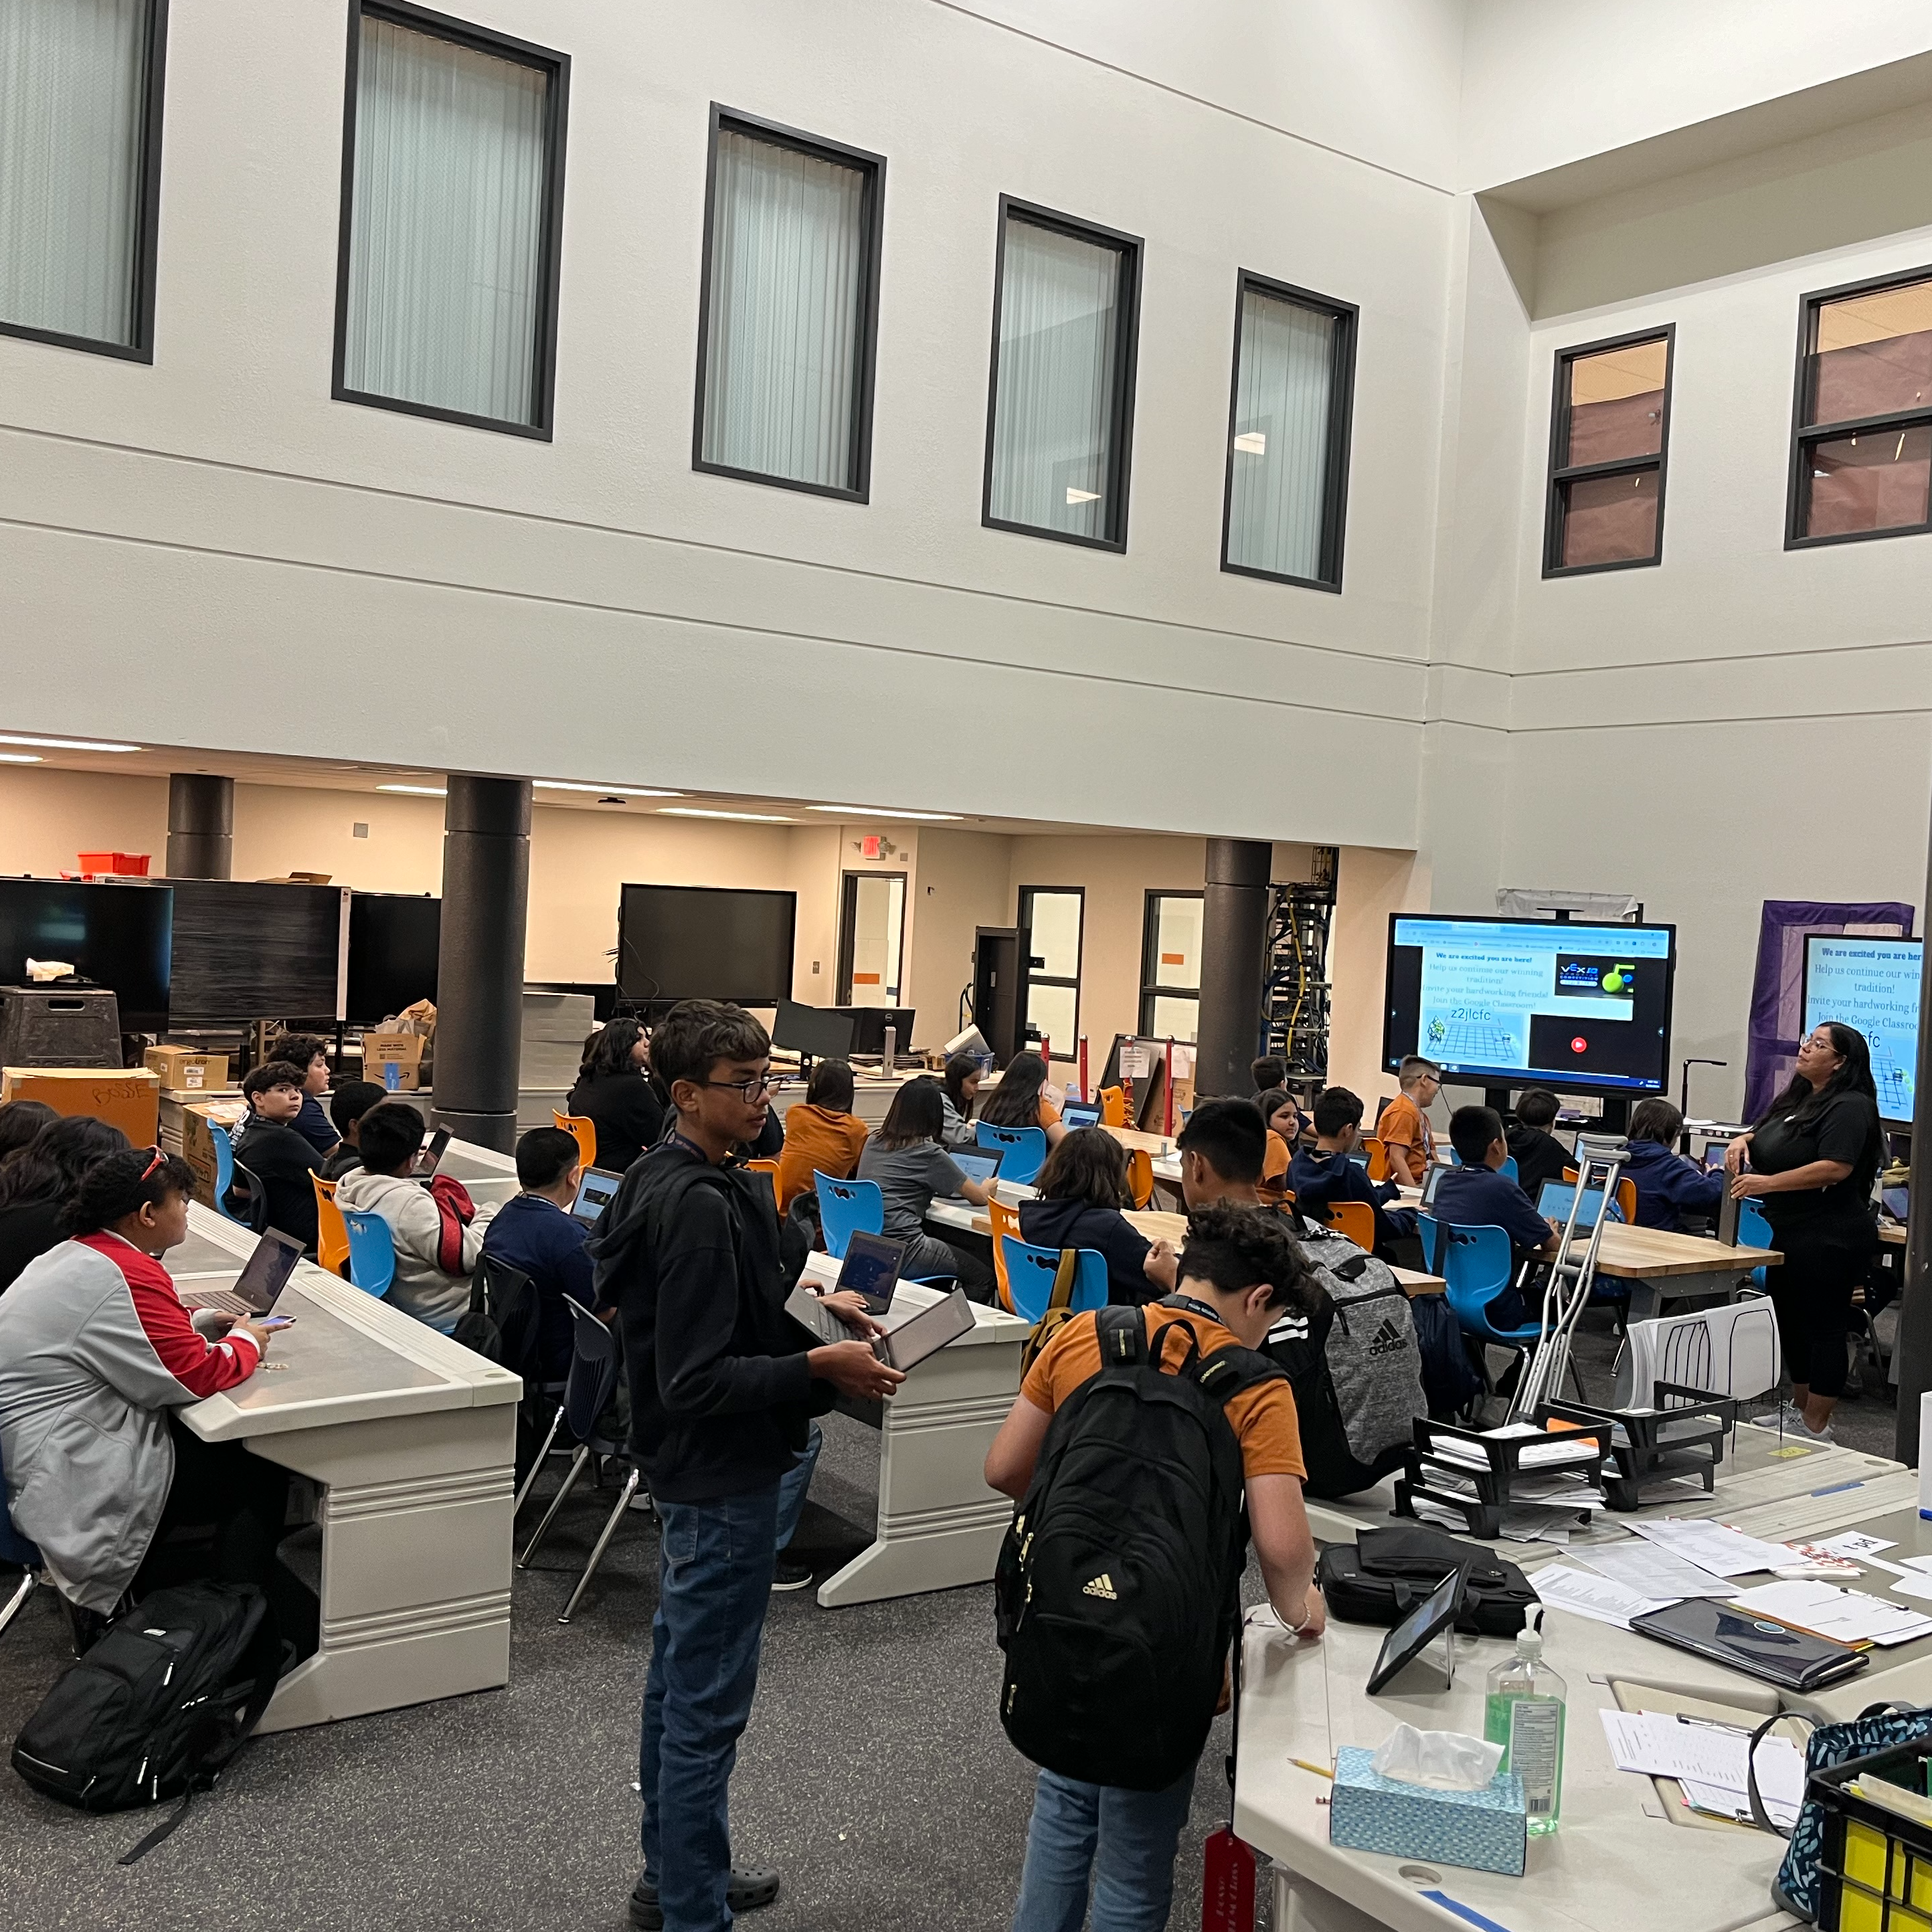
x=157, y=1707
x=1117, y=1591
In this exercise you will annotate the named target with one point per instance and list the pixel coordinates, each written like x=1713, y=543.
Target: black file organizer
x=1683, y=1435
x=1483, y=1512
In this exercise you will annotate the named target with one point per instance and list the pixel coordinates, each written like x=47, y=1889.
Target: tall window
x=791, y=304
x=80, y=171
x=1288, y=435
x=1862, y=448
x=1054, y=915
x=452, y=195
x=1170, y=966
x=1059, y=419
x=1609, y=428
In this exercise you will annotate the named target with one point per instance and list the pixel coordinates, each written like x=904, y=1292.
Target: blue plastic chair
x=1477, y=1265
x=230, y=1175
x=1754, y=1231
x=14, y=1548
x=846, y=1208
x=1022, y=1150
x=1508, y=1169
x=1430, y=1231
x=1030, y=1270
x=372, y=1251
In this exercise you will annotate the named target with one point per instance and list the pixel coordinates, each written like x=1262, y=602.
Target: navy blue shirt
x=1317, y=1180
x=538, y=1237
x=1669, y=1187
x=314, y=1125
x=1479, y=1197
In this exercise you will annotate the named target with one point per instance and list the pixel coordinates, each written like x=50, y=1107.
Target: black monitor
x=1531, y=1002
x=119, y=936
x=394, y=940
x=869, y=1025
x=813, y=1032
x=244, y=950
x=704, y=943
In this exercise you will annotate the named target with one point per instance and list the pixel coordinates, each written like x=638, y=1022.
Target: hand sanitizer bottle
x=1523, y=1712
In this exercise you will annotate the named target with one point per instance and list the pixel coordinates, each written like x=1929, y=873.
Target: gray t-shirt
x=909, y=1177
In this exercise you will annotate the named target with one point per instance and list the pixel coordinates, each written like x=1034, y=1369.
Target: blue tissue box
x=1487, y=1830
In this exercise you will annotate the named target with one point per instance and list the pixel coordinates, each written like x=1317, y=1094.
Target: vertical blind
x=72, y=80
x=1057, y=378
x=446, y=227
x=785, y=323
x=1284, y=397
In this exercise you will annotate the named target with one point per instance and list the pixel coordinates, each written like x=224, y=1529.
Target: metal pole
x=479, y=1019
x=1913, y=1356
x=201, y=825
x=1234, y=945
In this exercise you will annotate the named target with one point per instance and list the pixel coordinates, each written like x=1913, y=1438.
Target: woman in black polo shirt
x=1812, y=1160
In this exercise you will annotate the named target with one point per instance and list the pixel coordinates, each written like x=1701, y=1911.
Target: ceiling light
x=1074, y=496
x=879, y=811
x=417, y=791
x=1252, y=442
x=698, y=812
x=602, y=791
x=19, y=758
x=65, y=744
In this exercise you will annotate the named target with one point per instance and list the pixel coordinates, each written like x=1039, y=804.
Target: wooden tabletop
x=1159, y=1227
x=1132, y=1137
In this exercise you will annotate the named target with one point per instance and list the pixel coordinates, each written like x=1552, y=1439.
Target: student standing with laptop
x=724, y=1384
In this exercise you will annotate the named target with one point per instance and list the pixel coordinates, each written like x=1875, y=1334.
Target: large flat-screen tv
x=1522, y=1003
x=394, y=940
x=1873, y=985
x=247, y=951
x=118, y=936
x=705, y=943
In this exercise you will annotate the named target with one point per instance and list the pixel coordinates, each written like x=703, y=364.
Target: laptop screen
x=872, y=1269
x=1431, y=1182
x=979, y=1167
x=596, y=1188
x=266, y=1272
x=1897, y=1202
x=430, y=1159
x=1714, y=1153
x=1080, y=1113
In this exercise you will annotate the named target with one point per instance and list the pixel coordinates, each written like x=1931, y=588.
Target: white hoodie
x=421, y=1288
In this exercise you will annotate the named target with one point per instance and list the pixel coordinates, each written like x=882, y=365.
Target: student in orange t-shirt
x=1283, y=1118
x=822, y=1134
x=1238, y=1272
x=1403, y=1129
x=1021, y=1099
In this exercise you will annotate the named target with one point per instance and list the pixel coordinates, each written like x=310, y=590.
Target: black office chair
x=247, y=1200
x=587, y=1391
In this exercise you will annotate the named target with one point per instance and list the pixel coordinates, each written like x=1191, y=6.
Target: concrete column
x=486, y=879
x=1233, y=931
x=201, y=825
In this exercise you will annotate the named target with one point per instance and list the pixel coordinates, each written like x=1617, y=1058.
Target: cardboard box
x=403, y=1051
x=129, y=1099
x=197, y=1144
x=182, y=1070
x=1486, y=1830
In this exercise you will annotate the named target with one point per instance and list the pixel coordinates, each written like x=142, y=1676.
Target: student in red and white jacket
x=96, y=1351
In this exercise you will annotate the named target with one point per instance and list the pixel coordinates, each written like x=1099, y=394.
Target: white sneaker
x=1804, y=1433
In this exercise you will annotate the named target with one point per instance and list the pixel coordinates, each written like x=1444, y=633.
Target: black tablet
x=1772, y=1652
x=1435, y=1614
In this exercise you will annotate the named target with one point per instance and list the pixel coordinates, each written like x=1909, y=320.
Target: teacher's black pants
x=1812, y=1293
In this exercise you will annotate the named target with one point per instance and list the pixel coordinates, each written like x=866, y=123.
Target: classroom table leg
x=1647, y=1298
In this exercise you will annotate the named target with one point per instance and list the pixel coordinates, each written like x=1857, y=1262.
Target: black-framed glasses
x=747, y=1091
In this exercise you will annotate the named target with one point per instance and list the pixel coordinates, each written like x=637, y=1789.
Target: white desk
x=412, y=1440
x=939, y=1524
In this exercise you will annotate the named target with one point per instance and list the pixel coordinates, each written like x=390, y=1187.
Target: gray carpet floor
x=875, y=1774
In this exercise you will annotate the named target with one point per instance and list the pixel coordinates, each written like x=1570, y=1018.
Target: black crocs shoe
x=745, y=1892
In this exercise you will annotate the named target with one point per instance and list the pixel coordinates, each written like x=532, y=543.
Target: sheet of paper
x=1655, y=1570
x=1584, y=1595
x=1714, y=1546
x=1711, y=1755
x=1919, y=1586
x=1854, y=1543
x=1845, y=1616
x=1723, y=1804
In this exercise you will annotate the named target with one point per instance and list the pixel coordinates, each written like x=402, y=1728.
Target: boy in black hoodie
x=723, y=1386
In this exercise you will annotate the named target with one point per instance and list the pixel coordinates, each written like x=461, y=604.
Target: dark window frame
x=1341, y=424
x=549, y=268
x=848, y=931
x=1804, y=435
x=872, y=218
x=1555, y=511
x=1151, y=987
x=1133, y=250
x=147, y=217
x=1024, y=906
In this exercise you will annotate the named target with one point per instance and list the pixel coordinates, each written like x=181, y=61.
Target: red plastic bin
x=132, y=865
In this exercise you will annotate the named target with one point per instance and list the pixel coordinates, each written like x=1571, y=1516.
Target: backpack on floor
x=1384, y=1574
x=1117, y=1590
x=159, y=1705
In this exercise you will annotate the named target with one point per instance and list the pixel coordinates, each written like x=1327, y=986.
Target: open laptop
x=1714, y=1152
x=593, y=1192
x=978, y=1167
x=870, y=1269
x=1080, y=1113
x=1897, y=1202
x=430, y=1159
x=258, y=1287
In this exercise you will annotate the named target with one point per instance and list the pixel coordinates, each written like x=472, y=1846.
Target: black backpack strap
x=1122, y=1337
x=1224, y=1374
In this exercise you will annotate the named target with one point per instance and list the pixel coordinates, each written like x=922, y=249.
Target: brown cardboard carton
x=403, y=1050
x=129, y=1099
x=198, y=1144
x=183, y=1070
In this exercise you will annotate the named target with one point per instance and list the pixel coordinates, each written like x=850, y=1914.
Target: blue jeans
x=1124, y=1841
x=793, y=1484
x=714, y=1582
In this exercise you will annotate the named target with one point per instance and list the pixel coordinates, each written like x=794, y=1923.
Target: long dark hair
x=1089, y=1165
x=960, y=1069
x=1855, y=1076
x=915, y=1115
x=20, y=1121
x=48, y=1168
x=608, y=1050
x=1016, y=1101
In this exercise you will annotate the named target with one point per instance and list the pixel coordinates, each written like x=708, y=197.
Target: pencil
x=1319, y=1770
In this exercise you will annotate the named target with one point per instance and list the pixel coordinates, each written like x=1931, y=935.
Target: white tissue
x=1446, y=1760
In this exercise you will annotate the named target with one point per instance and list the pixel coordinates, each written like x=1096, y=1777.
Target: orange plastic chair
x=1113, y=1107
x=1140, y=1175
x=1377, y=1153
x=770, y=1168
x=1626, y=1194
x=1355, y=1219
x=1006, y=1223
x=332, y=1231
x=582, y=1130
